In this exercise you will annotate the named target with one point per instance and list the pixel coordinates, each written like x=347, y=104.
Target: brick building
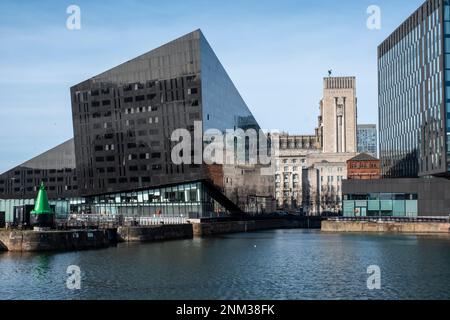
x=363, y=167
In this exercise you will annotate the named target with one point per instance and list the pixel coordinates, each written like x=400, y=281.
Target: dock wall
x=155, y=233
x=385, y=226
x=28, y=240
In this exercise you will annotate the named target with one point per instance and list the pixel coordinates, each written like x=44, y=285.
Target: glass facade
x=187, y=200
x=366, y=135
x=192, y=200
x=124, y=119
x=223, y=106
x=380, y=205
x=411, y=95
x=447, y=76
x=62, y=207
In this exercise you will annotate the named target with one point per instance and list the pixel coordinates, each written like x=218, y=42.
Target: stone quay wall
x=155, y=233
x=205, y=228
x=385, y=226
x=29, y=240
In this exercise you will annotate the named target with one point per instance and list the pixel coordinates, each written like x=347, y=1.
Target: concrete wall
x=205, y=227
x=202, y=229
x=385, y=226
x=155, y=233
x=28, y=240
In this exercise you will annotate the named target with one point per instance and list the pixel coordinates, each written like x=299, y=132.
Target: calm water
x=279, y=264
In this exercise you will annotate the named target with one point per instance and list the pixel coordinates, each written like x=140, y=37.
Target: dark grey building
x=402, y=197
x=366, y=136
x=55, y=167
x=123, y=119
x=414, y=94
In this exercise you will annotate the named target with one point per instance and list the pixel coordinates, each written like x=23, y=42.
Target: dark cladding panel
x=433, y=194
x=124, y=117
x=55, y=167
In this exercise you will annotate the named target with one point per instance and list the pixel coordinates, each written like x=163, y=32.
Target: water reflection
x=42, y=267
x=277, y=264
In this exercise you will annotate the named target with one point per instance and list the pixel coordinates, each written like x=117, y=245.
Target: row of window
x=39, y=171
x=169, y=84
x=174, y=95
x=37, y=180
x=141, y=109
x=154, y=155
x=331, y=179
x=364, y=165
x=35, y=189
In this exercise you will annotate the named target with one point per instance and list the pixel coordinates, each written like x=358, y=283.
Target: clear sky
x=276, y=52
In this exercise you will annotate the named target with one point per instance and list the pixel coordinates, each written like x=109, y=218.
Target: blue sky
x=276, y=52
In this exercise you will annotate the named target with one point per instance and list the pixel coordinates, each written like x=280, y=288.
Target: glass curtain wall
x=380, y=205
x=62, y=207
x=447, y=75
x=183, y=200
x=410, y=99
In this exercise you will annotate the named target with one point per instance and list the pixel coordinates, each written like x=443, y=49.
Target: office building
x=366, y=135
x=414, y=94
x=414, y=113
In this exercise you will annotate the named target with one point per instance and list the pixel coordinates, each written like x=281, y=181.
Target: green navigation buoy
x=42, y=216
x=41, y=206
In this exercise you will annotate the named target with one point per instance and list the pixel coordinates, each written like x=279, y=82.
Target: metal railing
x=114, y=221
x=151, y=221
x=393, y=219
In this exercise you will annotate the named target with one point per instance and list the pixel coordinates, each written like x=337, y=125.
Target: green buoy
x=41, y=206
x=42, y=216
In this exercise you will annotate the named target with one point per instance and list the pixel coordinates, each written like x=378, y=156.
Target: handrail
x=113, y=221
x=393, y=219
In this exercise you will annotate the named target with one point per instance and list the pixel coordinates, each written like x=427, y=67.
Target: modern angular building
x=123, y=120
x=366, y=135
x=55, y=167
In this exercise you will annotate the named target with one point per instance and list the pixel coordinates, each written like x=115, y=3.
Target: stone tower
x=338, y=113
